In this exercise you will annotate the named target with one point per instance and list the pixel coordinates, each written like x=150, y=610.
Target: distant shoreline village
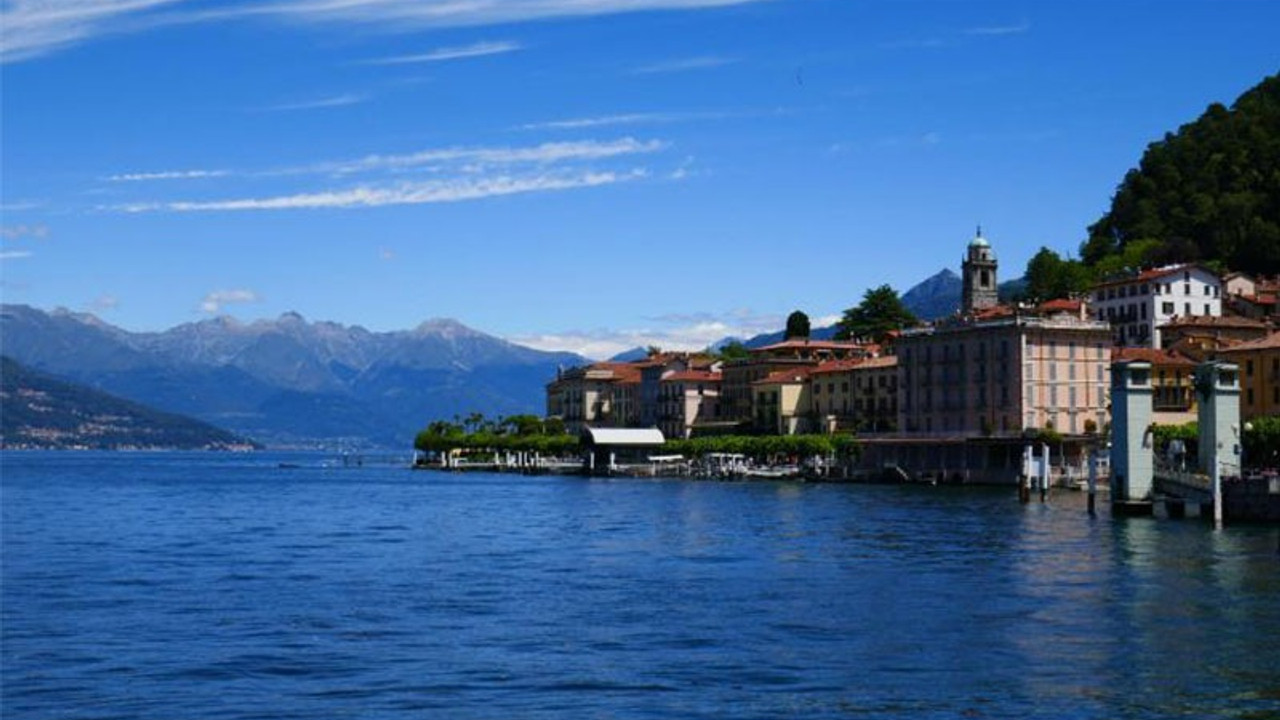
x=961, y=398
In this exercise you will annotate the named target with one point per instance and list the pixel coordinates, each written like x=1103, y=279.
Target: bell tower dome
x=979, y=274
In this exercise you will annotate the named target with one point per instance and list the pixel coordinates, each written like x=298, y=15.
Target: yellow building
x=782, y=403
x=686, y=399
x=1259, y=363
x=1173, y=398
x=598, y=395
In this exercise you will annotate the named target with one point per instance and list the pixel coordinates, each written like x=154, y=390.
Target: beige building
x=687, y=399
x=973, y=377
x=855, y=395
x=598, y=395
x=1259, y=362
x=737, y=394
x=782, y=402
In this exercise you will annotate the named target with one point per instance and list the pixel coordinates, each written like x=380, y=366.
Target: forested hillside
x=1209, y=192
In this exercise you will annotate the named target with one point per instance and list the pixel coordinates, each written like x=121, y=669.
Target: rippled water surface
x=224, y=586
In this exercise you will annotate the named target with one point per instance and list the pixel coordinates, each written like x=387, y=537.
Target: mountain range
x=44, y=412
x=289, y=381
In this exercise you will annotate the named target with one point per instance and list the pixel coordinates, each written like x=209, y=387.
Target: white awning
x=631, y=437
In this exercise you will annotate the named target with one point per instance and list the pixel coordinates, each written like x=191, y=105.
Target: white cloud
x=693, y=331
x=386, y=254
x=214, y=301
x=319, y=103
x=1019, y=29
x=684, y=65
x=480, y=49
x=167, y=175
x=32, y=28
x=15, y=254
x=19, y=232
x=418, y=193
x=104, y=303
x=539, y=154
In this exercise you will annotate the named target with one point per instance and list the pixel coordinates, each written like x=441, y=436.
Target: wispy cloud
x=644, y=118
x=684, y=65
x=552, y=152
x=167, y=175
x=19, y=232
x=319, y=103
x=33, y=28
x=686, y=331
x=1018, y=29
x=104, y=303
x=441, y=175
x=20, y=206
x=417, y=193
x=480, y=49
x=214, y=301
x=15, y=254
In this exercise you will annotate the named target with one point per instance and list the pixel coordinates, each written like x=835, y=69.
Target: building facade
x=1259, y=368
x=1138, y=307
x=1004, y=376
x=687, y=399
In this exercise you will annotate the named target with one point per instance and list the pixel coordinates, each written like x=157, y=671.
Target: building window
x=1187, y=307
x=1208, y=291
x=1166, y=308
x=1206, y=309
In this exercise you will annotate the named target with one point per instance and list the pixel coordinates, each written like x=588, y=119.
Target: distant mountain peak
x=445, y=327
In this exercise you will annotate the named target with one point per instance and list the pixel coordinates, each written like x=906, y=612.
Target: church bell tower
x=979, y=271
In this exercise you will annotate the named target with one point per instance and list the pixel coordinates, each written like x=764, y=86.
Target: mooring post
x=1093, y=479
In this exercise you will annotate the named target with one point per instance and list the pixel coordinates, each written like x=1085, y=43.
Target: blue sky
x=573, y=174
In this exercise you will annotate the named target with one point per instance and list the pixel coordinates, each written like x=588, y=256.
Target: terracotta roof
x=1270, y=342
x=1060, y=305
x=1151, y=355
x=1212, y=321
x=836, y=366
x=879, y=363
x=995, y=311
x=785, y=377
x=1152, y=274
x=811, y=345
x=692, y=376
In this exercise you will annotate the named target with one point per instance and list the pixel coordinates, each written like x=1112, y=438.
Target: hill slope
x=1209, y=192
x=40, y=411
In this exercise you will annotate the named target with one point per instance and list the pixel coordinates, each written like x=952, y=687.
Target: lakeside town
x=959, y=399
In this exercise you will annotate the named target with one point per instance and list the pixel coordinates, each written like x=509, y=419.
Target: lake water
x=173, y=586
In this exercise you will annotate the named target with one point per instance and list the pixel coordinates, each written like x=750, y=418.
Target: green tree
x=1049, y=276
x=880, y=313
x=1209, y=192
x=797, y=326
x=733, y=350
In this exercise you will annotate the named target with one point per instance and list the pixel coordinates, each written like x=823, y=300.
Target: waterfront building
x=782, y=402
x=604, y=394
x=737, y=396
x=687, y=399
x=1138, y=307
x=1259, y=366
x=978, y=273
x=1004, y=376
